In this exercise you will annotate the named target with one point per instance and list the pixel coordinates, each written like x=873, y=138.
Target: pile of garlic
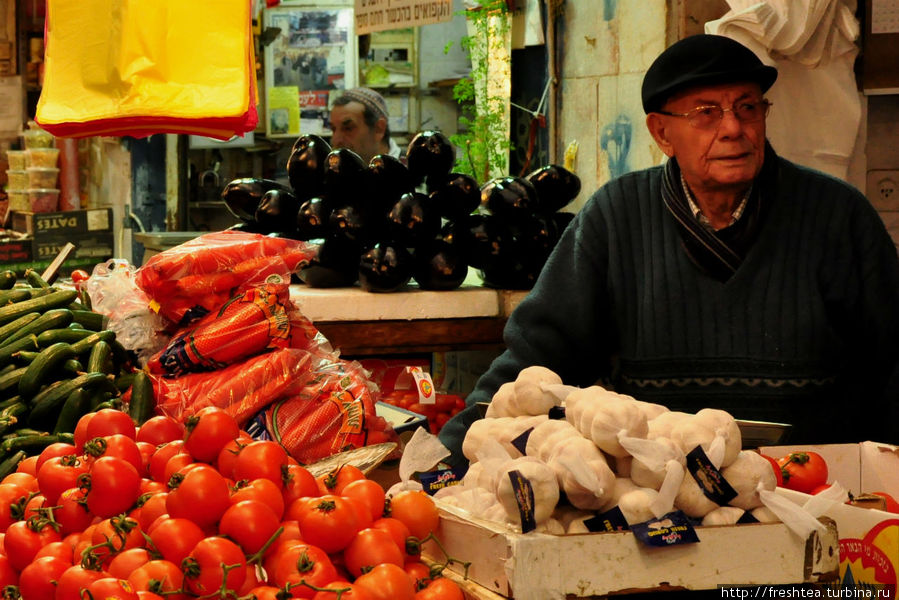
x=611, y=450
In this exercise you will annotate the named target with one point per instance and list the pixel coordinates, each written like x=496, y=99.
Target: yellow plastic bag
x=135, y=67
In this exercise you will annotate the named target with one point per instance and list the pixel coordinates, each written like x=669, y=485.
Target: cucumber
x=76, y=405
x=14, y=295
x=35, y=280
x=14, y=326
x=84, y=297
x=40, y=368
x=7, y=279
x=26, y=343
x=87, y=343
x=10, y=381
x=70, y=336
x=33, y=443
x=100, y=359
x=11, y=312
x=51, y=319
x=90, y=320
x=143, y=400
x=125, y=381
x=11, y=462
x=50, y=399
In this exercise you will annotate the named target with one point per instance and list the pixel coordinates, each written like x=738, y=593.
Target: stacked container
x=41, y=170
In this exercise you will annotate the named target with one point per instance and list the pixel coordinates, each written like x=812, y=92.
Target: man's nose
x=730, y=125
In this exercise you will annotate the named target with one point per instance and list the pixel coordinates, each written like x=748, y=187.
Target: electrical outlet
x=883, y=189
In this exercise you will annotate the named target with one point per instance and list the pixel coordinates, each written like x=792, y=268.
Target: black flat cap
x=702, y=60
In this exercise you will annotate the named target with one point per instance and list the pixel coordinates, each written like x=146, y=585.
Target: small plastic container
x=42, y=178
x=18, y=200
x=42, y=157
x=18, y=180
x=37, y=138
x=43, y=200
x=17, y=159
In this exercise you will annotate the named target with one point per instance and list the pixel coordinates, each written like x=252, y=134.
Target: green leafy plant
x=483, y=136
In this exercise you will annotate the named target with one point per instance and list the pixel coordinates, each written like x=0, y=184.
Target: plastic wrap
x=334, y=411
x=197, y=277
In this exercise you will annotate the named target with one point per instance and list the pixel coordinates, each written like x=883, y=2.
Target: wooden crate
x=545, y=567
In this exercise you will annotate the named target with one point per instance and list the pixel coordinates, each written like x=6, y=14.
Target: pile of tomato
x=444, y=407
x=162, y=511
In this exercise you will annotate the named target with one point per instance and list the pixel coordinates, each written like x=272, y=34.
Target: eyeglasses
x=708, y=117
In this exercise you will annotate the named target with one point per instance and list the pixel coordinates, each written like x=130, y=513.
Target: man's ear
x=658, y=129
x=380, y=129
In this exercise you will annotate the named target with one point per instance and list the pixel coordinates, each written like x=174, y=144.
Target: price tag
x=671, y=529
x=611, y=520
x=423, y=385
x=432, y=481
x=710, y=480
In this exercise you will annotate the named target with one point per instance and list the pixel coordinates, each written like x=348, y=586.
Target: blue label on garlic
x=671, y=529
x=524, y=497
x=710, y=480
x=610, y=520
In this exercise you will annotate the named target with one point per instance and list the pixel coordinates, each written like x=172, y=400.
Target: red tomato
x=153, y=506
x=208, y=431
x=158, y=577
x=178, y=462
x=303, y=562
x=110, y=421
x=264, y=592
x=80, y=433
x=369, y=492
x=114, y=485
x=23, y=540
x=340, y=590
x=146, y=450
x=57, y=474
x=118, y=445
x=440, y=588
x=126, y=562
x=778, y=473
x=417, y=511
x=37, y=581
x=23, y=480
x=299, y=483
x=387, y=581
x=79, y=277
x=261, y=490
x=329, y=522
x=397, y=530
x=28, y=465
x=110, y=588
x=53, y=451
x=8, y=575
x=203, y=571
x=159, y=430
x=119, y=534
x=419, y=572
x=72, y=514
x=371, y=547
x=162, y=455
x=803, y=471
x=249, y=523
x=363, y=514
x=202, y=496
x=10, y=495
x=261, y=460
x=61, y=550
x=891, y=504
x=334, y=481
x=175, y=538
x=73, y=579
x=228, y=454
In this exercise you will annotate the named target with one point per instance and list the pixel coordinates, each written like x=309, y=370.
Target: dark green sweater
x=806, y=332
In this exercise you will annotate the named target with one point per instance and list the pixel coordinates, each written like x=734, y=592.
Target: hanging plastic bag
x=138, y=67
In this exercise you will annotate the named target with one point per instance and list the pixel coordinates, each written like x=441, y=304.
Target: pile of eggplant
x=390, y=221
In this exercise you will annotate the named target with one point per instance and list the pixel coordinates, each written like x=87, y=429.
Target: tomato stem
x=449, y=559
x=256, y=558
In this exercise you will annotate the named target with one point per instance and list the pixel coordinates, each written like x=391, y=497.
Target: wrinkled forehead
x=714, y=94
x=352, y=112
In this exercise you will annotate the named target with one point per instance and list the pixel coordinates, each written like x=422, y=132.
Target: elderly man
x=359, y=123
x=727, y=278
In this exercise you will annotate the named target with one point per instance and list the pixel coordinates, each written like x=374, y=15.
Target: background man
x=359, y=123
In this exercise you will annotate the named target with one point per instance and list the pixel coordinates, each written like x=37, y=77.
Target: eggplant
x=313, y=218
x=430, y=154
x=385, y=268
x=455, y=195
x=336, y=265
x=556, y=187
x=513, y=198
x=359, y=222
x=536, y=236
x=277, y=211
x=511, y=274
x=483, y=240
x=306, y=166
x=344, y=181
x=387, y=179
x=413, y=220
x=439, y=265
x=242, y=196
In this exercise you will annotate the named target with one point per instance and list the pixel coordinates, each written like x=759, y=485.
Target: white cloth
x=817, y=110
x=395, y=151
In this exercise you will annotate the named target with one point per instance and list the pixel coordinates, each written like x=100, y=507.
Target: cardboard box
x=537, y=566
x=62, y=225
x=15, y=251
x=37, y=254
x=869, y=538
x=97, y=246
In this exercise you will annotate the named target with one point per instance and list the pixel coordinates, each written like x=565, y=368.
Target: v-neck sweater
x=806, y=331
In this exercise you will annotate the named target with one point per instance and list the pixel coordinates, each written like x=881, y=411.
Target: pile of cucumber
x=57, y=362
